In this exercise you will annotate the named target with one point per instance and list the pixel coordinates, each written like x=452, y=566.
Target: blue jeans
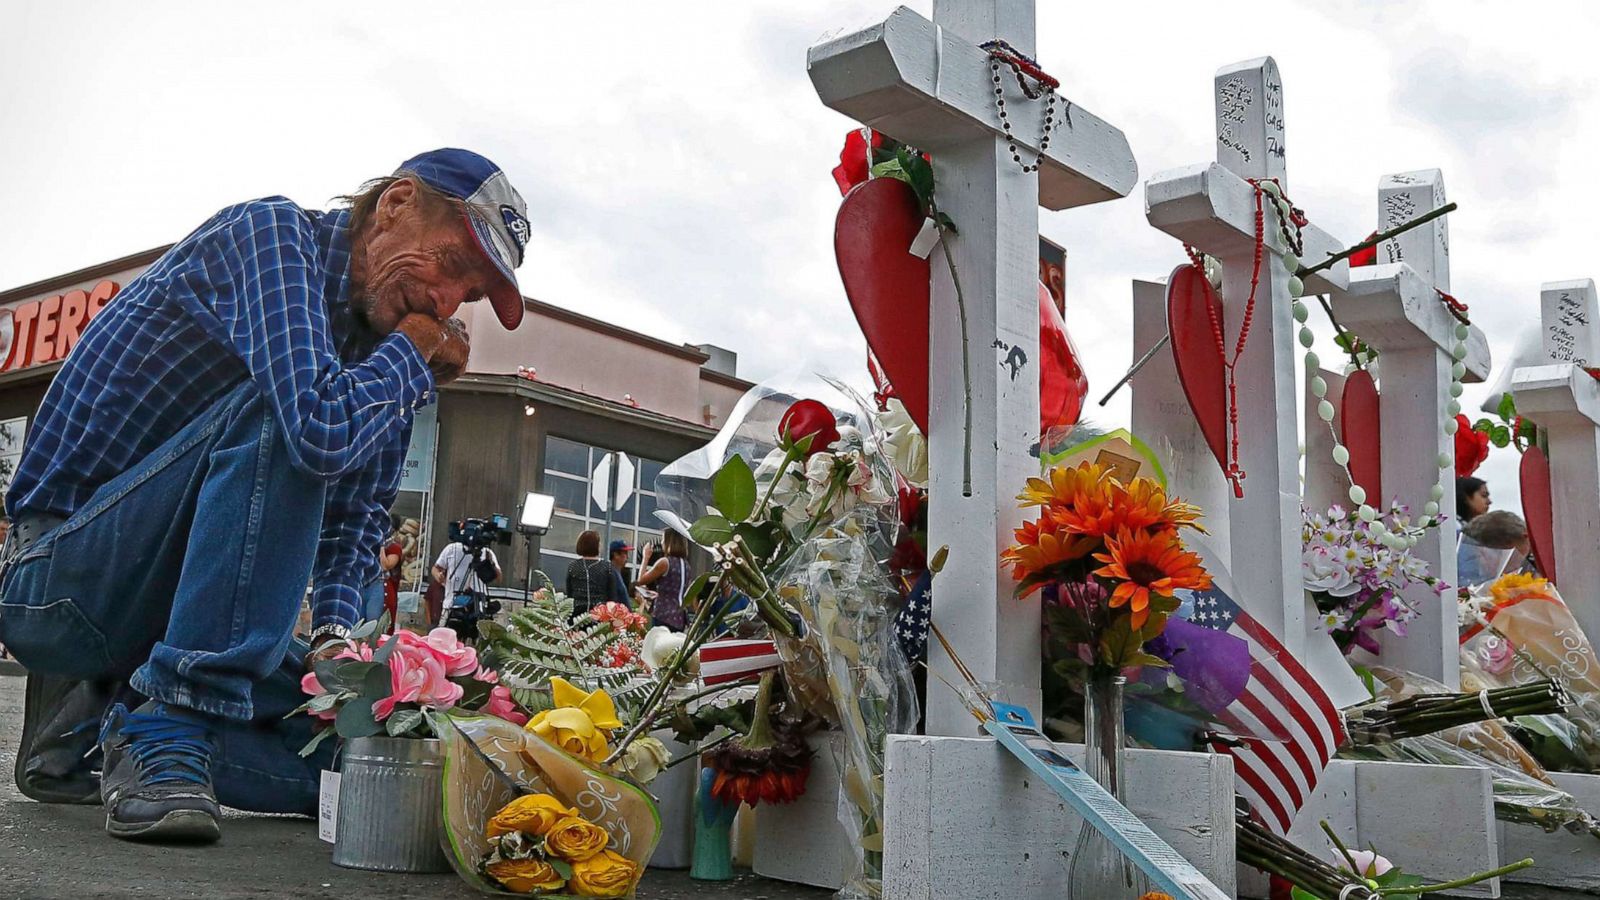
x=184, y=575
x=372, y=601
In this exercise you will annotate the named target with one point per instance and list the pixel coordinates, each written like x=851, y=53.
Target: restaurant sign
x=46, y=329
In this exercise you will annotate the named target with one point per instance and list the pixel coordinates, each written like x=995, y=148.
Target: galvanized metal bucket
x=390, y=806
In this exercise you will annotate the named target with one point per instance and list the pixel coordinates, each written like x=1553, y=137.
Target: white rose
x=644, y=759
x=1325, y=572
x=904, y=444
x=660, y=645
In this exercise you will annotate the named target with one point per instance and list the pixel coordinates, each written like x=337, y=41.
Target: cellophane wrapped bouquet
x=795, y=499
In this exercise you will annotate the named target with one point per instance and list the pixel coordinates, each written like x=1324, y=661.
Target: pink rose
x=309, y=684
x=458, y=658
x=417, y=675
x=500, y=704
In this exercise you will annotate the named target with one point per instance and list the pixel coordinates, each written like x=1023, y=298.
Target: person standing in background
x=1493, y=544
x=393, y=563
x=620, y=551
x=591, y=580
x=668, y=575
x=1472, y=498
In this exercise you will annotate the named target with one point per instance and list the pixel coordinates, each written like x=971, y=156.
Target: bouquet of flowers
x=1357, y=571
x=528, y=810
x=541, y=845
x=1113, y=555
x=1518, y=630
x=804, y=533
x=385, y=684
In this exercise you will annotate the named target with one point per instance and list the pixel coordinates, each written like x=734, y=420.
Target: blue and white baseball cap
x=496, y=212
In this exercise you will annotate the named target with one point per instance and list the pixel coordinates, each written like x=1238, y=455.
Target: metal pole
x=611, y=500
x=527, y=592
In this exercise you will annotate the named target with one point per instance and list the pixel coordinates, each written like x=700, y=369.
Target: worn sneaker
x=157, y=781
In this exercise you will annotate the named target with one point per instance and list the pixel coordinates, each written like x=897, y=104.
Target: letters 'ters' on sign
x=45, y=330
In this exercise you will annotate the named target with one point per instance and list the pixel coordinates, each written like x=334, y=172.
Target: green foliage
x=1512, y=430
x=918, y=173
x=711, y=529
x=1355, y=347
x=402, y=721
x=760, y=537
x=355, y=720
x=734, y=489
x=544, y=640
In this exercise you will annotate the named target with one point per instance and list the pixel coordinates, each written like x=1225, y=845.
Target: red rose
x=807, y=418
x=1472, y=448
x=1367, y=257
x=853, y=159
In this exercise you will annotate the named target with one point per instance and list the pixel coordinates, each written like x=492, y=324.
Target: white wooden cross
x=1325, y=481
x=1211, y=207
x=1565, y=399
x=1396, y=307
x=929, y=84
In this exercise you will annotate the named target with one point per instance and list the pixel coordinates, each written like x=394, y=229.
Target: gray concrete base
x=1015, y=835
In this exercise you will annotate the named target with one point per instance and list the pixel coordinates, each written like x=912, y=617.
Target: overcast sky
x=676, y=160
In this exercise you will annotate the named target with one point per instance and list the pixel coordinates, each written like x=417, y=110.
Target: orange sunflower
x=1144, y=562
x=1062, y=485
x=1145, y=504
x=1041, y=547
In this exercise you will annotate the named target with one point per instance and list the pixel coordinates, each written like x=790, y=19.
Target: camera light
x=536, y=511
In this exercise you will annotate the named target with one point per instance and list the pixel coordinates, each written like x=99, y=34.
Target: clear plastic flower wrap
x=1523, y=791
x=1518, y=629
x=835, y=504
x=845, y=595
x=473, y=793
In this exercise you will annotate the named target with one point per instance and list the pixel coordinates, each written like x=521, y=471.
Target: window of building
x=568, y=466
x=12, y=431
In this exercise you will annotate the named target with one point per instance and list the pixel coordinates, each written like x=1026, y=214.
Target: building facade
x=537, y=410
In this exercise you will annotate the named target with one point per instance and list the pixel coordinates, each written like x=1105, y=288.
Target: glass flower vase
x=1098, y=870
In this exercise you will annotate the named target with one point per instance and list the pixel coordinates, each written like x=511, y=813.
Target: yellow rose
x=581, y=723
x=575, y=839
x=524, y=876
x=534, y=814
x=606, y=874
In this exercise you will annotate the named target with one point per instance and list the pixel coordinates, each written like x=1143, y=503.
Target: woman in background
x=1472, y=498
x=591, y=580
x=668, y=576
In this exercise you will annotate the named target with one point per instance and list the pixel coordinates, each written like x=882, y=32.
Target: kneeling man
x=232, y=426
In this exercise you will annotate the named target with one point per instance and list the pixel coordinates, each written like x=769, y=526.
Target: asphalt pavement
x=63, y=853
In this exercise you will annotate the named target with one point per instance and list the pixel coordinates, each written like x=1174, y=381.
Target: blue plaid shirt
x=259, y=292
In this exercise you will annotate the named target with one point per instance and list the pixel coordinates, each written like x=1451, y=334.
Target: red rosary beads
x=1234, y=472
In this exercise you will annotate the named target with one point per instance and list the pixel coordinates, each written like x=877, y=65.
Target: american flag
x=1287, y=725
x=726, y=659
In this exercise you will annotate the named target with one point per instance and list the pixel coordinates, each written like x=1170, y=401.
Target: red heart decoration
x=1190, y=301
x=1361, y=431
x=1539, y=510
x=1062, y=383
x=887, y=286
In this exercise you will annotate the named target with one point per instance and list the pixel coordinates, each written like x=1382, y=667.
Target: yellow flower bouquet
x=568, y=827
